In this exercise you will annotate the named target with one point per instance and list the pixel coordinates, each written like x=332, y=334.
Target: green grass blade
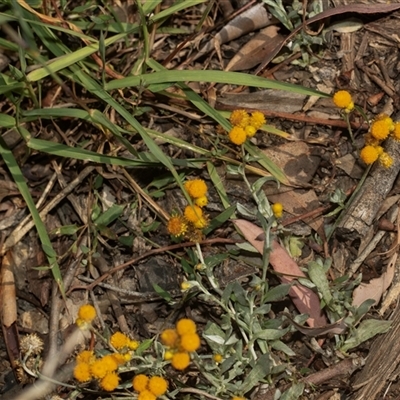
x=47, y=247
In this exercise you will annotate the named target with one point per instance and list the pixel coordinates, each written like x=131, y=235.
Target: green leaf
x=110, y=215
x=277, y=293
x=295, y=391
x=257, y=373
x=366, y=330
x=317, y=274
x=162, y=293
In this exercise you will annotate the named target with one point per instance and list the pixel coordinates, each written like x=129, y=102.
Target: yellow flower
x=380, y=129
x=196, y=188
x=119, y=358
x=140, y=382
x=250, y=131
x=193, y=213
x=239, y=118
x=238, y=398
x=217, y=358
x=87, y=313
x=201, y=223
x=257, y=119
x=385, y=160
x=201, y=201
x=110, y=363
x=369, y=154
x=168, y=355
x=85, y=356
x=190, y=342
x=277, y=209
x=396, y=131
x=387, y=119
x=237, y=135
x=158, y=385
x=185, y=285
x=169, y=337
x=177, y=225
x=146, y=395
x=119, y=340
x=133, y=344
x=99, y=369
x=180, y=361
x=185, y=326
x=82, y=372
x=342, y=99
x=109, y=382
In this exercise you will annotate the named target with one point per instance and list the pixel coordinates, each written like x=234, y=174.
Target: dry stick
x=47, y=383
x=153, y=252
x=24, y=227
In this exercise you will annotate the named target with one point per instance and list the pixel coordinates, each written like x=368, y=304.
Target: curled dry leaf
x=249, y=21
x=305, y=300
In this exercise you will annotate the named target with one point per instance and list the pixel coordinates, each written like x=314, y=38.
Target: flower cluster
x=149, y=388
x=277, y=210
x=180, y=342
x=122, y=342
x=193, y=219
x=244, y=125
x=104, y=369
x=380, y=129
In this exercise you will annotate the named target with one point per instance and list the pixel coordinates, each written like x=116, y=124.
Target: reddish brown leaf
x=305, y=300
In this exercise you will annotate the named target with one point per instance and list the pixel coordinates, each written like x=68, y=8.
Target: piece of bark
x=381, y=365
x=361, y=214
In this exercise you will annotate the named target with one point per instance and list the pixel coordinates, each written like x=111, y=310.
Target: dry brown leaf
x=305, y=300
x=249, y=21
x=255, y=50
x=375, y=288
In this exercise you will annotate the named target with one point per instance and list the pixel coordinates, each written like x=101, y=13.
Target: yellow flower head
x=168, y=355
x=169, y=337
x=140, y=382
x=110, y=363
x=238, y=398
x=396, y=131
x=193, y=213
x=257, y=119
x=201, y=201
x=250, y=131
x=343, y=99
x=109, y=382
x=239, y=118
x=185, y=326
x=82, y=372
x=387, y=119
x=119, y=358
x=277, y=209
x=146, y=395
x=380, y=129
x=369, y=154
x=119, y=340
x=190, y=342
x=201, y=223
x=180, y=361
x=217, y=358
x=87, y=313
x=158, y=385
x=85, y=356
x=237, y=135
x=185, y=285
x=99, y=369
x=133, y=344
x=177, y=225
x=196, y=188
x=385, y=160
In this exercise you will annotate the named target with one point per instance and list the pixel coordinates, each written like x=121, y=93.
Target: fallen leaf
x=255, y=50
x=305, y=300
x=375, y=288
